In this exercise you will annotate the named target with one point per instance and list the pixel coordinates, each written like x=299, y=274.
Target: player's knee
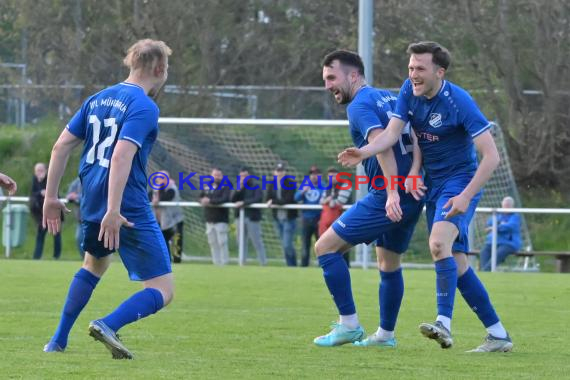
x=167, y=295
x=317, y=247
x=438, y=249
x=322, y=246
x=388, y=261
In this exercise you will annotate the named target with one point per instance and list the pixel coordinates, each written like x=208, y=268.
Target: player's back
x=370, y=109
x=125, y=112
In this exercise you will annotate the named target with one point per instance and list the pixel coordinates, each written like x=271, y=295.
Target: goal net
x=197, y=145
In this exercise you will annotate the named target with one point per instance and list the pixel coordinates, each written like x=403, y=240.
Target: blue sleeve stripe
x=371, y=128
x=132, y=140
x=398, y=116
x=481, y=130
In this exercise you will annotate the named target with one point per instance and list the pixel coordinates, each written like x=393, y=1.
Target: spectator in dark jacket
x=39, y=182
x=309, y=194
x=250, y=192
x=284, y=221
x=171, y=218
x=217, y=218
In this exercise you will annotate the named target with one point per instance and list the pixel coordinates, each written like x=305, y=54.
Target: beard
x=345, y=98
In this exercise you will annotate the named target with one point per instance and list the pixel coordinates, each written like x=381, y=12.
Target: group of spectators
x=313, y=222
x=278, y=193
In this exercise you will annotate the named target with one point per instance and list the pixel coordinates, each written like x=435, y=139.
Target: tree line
x=512, y=55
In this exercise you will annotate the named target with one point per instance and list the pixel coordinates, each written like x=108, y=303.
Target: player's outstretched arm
x=8, y=184
x=353, y=156
x=59, y=155
x=121, y=164
x=486, y=147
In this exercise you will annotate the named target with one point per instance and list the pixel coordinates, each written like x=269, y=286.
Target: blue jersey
x=372, y=108
x=445, y=126
x=123, y=112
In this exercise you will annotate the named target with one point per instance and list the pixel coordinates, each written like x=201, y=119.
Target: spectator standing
x=282, y=192
x=309, y=194
x=250, y=192
x=217, y=218
x=39, y=183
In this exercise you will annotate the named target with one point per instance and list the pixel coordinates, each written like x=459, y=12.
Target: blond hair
x=144, y=53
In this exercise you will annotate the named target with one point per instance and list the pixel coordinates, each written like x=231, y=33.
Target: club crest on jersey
x=435, y=120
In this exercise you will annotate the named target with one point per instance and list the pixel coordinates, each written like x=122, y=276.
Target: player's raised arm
x=59, y=155
x=121, y=163
x=383, y=142
x=486, y=147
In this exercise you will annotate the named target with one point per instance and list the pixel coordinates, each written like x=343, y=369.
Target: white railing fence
x=365, y=259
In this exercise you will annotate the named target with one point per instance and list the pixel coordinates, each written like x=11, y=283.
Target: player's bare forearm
x=389, y=167
x=59, y=155
x=121, y=164
x=417, y=156
x=384, y=141
x=489, y=161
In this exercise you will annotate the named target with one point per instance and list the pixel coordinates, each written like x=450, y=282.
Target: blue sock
x=337, y=278
x=80, y=291
x=390, y=295
x=142, y=304
x=446, y=284
x=477, y=297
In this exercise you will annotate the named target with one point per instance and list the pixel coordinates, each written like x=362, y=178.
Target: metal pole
x=241, y=236
x=494, y=243
x=24, y=48
x=365, y=32
x=23, y=101
x=9, y=228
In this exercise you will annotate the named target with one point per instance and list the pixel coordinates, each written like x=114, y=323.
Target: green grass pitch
x=254, y=322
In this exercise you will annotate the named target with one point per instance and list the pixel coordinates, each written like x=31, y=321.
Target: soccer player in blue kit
x=450, y=128
x=117, y=127
x=387, y=217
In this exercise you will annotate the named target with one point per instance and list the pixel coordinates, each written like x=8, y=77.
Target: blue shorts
x=436, y=213
x=142, y=249
x=366, y=221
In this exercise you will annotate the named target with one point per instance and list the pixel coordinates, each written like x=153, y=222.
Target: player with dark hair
x=117, y=127
x=378, y=217
x=450, y=129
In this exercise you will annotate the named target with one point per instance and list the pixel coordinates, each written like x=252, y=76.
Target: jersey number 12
x=100, y=149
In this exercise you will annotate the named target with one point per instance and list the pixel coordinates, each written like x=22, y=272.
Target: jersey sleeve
x=77, y=125
x=403, y=102
x=470, y=116
x=138, y=125
x=364, y=119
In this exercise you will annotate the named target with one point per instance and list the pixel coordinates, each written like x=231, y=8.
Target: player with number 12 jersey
x=122, y=111
x=117, y=128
